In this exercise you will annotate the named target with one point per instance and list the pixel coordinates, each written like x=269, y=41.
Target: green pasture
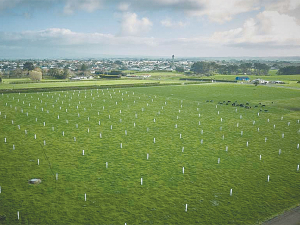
x=192, y=126
x=253, y=77
x=20, y=80
x=7, y=85
x=273, y=72
x=158, y=76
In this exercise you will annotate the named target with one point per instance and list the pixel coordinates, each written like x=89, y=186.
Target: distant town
x=89, y=69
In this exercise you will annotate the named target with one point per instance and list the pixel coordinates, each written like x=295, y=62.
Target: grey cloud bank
x=271, y=29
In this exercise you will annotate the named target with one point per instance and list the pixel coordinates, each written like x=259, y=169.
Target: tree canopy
x=35, y=75
x=209, y=68
x=289, y=70
x=17, y=73
x=261, y=68
x=179, y=69
x=58, y=74
x=118, y=62
x=83, y=67
x=200, y=67
x=28, y=66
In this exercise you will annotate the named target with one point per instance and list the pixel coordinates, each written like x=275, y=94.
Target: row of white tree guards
x=62, y=97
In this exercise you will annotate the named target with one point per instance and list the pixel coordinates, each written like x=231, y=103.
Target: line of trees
x=210, y=68
x=289, y=70
x=58, y=73
x=28, y=71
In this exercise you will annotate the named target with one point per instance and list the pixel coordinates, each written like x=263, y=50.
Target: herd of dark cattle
x=244, y=105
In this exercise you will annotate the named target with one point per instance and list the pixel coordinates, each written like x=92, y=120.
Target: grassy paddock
x=70, y=84
x=253, y=77
x=115, y=194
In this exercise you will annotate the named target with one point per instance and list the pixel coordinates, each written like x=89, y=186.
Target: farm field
x=155, y=155
x=285, y=78
x=7, y=85
x=156, y=77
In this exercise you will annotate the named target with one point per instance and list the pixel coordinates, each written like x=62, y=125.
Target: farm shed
x=260, y=81
x=242, y=78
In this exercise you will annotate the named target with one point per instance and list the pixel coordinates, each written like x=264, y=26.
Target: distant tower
x=172, y=61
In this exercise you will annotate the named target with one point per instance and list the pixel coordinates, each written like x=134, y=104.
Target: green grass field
x=156, y=77
x=253, y=77
x=118, y=127
x=7, y=85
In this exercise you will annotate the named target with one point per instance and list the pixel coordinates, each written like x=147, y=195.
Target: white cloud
x=169, y=23
x=28, y=4
x=57, y=37
x=123, y=6
x=86, y=5
x=4, y=4
x=282, y=6
x=221, y=11
x=166, y=23
x=216, y=10
x=289, y=7
x=269, y=28
x=58, y=43
x=132, y=26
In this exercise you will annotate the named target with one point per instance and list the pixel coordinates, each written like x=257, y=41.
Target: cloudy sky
x=185, y=28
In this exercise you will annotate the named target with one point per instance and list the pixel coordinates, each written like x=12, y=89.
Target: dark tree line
x=210, y=68
x=289, y=70
x=58, y=74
